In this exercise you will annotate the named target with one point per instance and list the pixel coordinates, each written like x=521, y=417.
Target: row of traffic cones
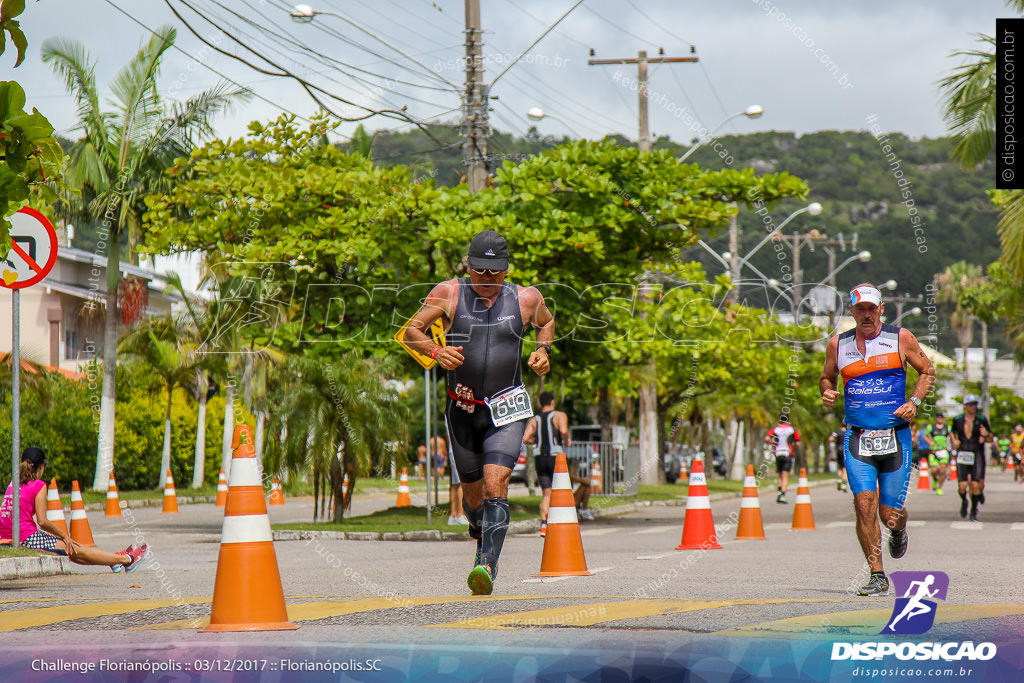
x=699, y=526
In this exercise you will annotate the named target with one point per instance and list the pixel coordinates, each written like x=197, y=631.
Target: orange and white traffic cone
x=751, y=526
x=222, y=490
x=54, y=510
x=113, y=504
x=247, y=594
x=951, y=468
x=684, y=476
x=803, y=514
x=276, y=495
x=170, y=497
x=403, y=491
x=347, y=499
x=80, y=530
x=563, y=544
x=596, y=481
x=698, y=524
x=923, y=482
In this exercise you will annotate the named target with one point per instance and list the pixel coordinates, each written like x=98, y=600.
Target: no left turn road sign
x=33, y=250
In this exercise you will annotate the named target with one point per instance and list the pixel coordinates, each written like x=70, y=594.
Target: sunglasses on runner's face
x=487, y=272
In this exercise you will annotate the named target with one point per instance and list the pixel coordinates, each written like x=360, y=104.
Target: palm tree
x=950, y=286
x=333, y=417
x=121, y=157
x=969, y=95
x=166, y=345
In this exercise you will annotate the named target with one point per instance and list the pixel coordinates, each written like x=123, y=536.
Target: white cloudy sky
x=891, y=53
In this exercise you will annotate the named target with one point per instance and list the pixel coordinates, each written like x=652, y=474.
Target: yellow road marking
x=44, y=616
x=311, y=611
x=599, y=612
x=862, y=622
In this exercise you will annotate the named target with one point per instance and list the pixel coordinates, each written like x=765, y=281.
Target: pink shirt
x=27, y=493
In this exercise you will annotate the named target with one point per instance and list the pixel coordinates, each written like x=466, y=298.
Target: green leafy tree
x=950, y=286
x=166, y=346
x=970, y=113
x=120, y=158
x=333, y=418
x=30, y=156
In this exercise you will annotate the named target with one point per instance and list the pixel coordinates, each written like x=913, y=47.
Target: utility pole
x=647, y=393
x=810, y=239
x=475, y=125
x=642, y=60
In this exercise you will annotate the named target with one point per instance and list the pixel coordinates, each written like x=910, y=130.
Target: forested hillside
x=867, y=186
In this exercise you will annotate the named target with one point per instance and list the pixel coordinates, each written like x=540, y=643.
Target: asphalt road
x=795, y=586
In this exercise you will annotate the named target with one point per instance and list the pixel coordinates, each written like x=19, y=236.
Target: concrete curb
x=528, y=526
x=12, y=568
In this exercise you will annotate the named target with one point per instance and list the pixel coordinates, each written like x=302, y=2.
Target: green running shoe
x=481, y=580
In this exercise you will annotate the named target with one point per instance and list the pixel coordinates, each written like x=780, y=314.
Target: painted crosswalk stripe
x=969, y=526
x=1017, y=526
x=598, y=532
x=45, y=616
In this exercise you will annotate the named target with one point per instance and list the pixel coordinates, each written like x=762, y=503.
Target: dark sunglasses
x=487, y=272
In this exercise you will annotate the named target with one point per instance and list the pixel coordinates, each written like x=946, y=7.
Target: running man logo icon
x=914, y=613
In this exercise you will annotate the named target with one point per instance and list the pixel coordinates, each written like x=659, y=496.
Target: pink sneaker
x=137, y=555
x=127, y=551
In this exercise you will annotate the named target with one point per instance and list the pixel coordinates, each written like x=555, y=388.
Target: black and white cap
x=488, y=251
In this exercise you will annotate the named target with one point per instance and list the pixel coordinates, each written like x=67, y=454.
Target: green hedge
x=67, y=429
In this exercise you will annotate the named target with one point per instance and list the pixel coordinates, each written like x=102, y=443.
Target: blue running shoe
x=137, y=555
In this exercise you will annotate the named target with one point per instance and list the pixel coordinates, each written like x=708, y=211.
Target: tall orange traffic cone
x=80, y=530
x=563, y=544
x=684, y=476
x=170, y=497
x=276, y=495
x=952, y=467
x=803, y=514
x=698, y=524
x=347, y=499
x=222, y=490
x=403, y=491
x=923, y=483
x=751, y=526
x=54, y=510
x=247, y=594
x=596, y=481
x=113, y=504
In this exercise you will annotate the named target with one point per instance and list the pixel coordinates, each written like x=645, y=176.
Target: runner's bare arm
x=531, y=431
x=440, y=302
x=926, y=377
x=829, y=374
x=562, y=425
x=536, y=313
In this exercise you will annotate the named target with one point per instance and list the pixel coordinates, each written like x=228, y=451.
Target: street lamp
x=305, y=14
x=916, y=310
x=814, y=208
x=863, y=257
x=752, y=112
x=536, y=114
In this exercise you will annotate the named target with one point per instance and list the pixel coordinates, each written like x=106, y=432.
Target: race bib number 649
x=510, y=406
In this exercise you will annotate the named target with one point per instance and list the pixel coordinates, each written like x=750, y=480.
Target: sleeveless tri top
x=491, y=341
x=875, y=384
x=550, y=438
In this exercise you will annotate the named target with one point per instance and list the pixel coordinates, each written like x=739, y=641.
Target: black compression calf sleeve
x=494, y=528
x=475, y=518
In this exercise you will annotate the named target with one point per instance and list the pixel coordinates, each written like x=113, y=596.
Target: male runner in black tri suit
x=485, y=320
x=969, y=432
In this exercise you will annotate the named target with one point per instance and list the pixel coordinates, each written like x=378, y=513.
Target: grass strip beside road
x=521, y=508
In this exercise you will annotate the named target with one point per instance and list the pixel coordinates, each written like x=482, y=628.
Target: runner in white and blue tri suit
x=872, y=358
x=485, y=320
